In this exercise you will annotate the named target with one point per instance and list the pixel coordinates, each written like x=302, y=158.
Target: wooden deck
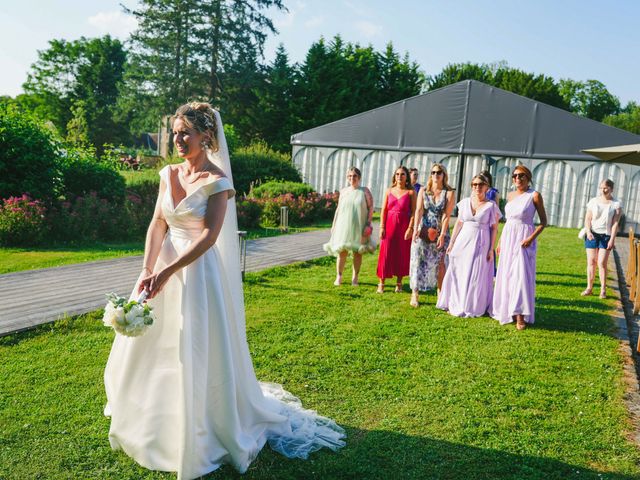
x=34, y=297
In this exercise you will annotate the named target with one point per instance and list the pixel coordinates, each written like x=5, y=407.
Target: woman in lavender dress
x=434, y=206
x=467, y=288
x=515, y=289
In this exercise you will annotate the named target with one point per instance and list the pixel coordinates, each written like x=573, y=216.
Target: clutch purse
x=582, y=233
x=428, y=234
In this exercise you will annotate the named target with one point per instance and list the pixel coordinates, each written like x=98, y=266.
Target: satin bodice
x=399, y=206
x=485, y=214
x=521, y=209
x=186, y=218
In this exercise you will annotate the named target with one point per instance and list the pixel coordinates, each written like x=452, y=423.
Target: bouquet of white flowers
x=129, y=318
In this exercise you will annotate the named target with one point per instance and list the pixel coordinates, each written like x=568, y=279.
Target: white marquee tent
x=470, y=126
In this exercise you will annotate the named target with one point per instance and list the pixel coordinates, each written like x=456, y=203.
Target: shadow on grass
x=582, y=278
x=375, y=454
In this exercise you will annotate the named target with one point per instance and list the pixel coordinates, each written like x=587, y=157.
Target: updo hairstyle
x=201, y=117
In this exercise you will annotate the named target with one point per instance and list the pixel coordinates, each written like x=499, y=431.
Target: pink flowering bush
x=249, y=212
x=22, y=221
x=303, y=209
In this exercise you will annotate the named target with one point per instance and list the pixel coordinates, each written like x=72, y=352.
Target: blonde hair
x=445, y=179
x=202, y=117
x=483, y=178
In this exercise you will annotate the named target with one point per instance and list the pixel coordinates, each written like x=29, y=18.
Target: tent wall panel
x=556, y=182
x=377, y=172
x=309, y=161
x=566, y=186
x=336, y=169
x=632, y=206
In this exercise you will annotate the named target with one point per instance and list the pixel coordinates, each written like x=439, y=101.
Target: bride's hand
x=154, y=283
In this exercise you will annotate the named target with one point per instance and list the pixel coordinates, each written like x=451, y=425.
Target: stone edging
x=623, y=318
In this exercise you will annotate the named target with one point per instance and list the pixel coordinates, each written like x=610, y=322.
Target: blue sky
x=578, y=39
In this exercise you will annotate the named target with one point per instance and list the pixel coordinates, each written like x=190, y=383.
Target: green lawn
x=421, y=394
x=18, y=259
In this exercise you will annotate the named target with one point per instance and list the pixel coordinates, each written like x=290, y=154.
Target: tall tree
x=399, y=78
x=628, y=119
x=79, y=78
x=276, y=114
x=590, y=99
x=536, y=87
x=183, y=48
x=457, y=72
x=165, y=65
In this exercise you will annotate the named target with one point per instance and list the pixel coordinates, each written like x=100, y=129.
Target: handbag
x=582, y=233
x=428, y=234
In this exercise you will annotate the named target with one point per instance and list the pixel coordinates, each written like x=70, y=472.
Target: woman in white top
x=601, y=225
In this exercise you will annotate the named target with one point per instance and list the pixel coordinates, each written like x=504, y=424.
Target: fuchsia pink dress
x=467, y=288
x=395, y=251
x=515, y=289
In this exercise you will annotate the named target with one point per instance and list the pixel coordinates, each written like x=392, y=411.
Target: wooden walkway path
x=34, y=297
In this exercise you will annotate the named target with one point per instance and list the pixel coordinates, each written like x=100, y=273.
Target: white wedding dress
x=184, y=397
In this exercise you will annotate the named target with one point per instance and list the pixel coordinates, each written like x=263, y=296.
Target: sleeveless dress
x=515, y=289
x=467, y=287
x=351, y=218
x=425, y=257
x=184, y=397
x=395, y=251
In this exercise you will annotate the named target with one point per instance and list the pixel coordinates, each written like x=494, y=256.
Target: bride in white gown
x=184, y=397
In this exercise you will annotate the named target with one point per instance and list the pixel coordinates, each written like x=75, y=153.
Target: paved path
x=34, y=297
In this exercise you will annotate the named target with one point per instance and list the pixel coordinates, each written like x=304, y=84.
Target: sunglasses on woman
x=477, y=185
x=519, y=175
x=436, y=172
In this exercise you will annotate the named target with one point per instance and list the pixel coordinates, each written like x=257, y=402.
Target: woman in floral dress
x=434, y=206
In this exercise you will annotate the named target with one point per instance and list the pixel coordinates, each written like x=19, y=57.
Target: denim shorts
x=600, y=240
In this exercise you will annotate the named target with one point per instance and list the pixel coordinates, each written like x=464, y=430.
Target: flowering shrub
x=22, y=221
x=274, y=188
x=303, y=210
x=86, y=218
x=249, y=212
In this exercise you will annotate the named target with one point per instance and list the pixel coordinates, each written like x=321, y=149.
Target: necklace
x=198, y=176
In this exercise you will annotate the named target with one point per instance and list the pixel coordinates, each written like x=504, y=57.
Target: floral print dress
x=425, y=257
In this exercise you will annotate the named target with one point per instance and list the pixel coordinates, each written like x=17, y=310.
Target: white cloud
x=314, y=22
x=116, y=23
x=368, y=29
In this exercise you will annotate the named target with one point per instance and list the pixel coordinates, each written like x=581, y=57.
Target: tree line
x=101, y=90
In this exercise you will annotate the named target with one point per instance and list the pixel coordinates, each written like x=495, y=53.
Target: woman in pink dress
x=398, y=207
x=515, y=289
x=467, y=288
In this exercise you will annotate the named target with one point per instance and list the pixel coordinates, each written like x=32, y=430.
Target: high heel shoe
x=380, y=288
x=398, y=288
x=520, y=324
x=603, y=294
x=414, y=300
x=586, y=292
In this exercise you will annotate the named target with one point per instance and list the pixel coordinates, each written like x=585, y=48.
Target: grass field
x=421, y=394
x=18, y=259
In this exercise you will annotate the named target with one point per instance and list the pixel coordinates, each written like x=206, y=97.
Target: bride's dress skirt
x=184, y=397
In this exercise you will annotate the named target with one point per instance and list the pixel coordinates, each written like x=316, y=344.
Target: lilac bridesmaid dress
x=515, y=288
x=467, y=288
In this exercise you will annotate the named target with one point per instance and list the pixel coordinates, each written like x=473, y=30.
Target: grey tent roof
x=469, y=117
